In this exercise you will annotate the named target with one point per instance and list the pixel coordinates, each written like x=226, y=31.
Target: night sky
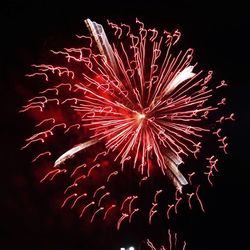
x=219, y=35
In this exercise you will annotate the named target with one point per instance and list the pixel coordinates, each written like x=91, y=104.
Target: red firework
x=130, y=105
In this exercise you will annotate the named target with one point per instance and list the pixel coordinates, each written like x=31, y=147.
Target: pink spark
x=87, y=206
x=102, y=197
x=131, y=201
x=217, y=132
x=31, y=107
x=177, y=200
x=40, y=155
x=82, y=177
x=46, y=120
x=198, y=198
x=97, y=190
x=124, y=201
x=231, y=117
x=97, y=211
x=38, y=74
x=78, y=198
x=50, y=173
x=107, y=211
x=68, y=198
x=170, y=207
x=122, y=218
x=112, y=174
x=92, y=168
x=69, y=100
x=170, y=239
x=86, y=37
x=152, y=212
x=70, y=187
x=222, y=102
x=222, y=84
x=190, y=177
x=131, y=214
x=222, y=118
x=143, y=179
x=189, y=199
x=150, y=244
x=81, y=166
x=78, y=126
x=156, y=194
x=102, y=153
x=224, y=147
x=224, y=144
x=54, y=100
x=212, y=166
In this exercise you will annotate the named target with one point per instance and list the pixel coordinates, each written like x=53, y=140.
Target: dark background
x=219, y=34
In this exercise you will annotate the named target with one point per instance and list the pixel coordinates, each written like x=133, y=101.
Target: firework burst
x=130, y=104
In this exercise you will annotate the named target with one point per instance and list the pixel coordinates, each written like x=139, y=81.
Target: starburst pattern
x=134, y=102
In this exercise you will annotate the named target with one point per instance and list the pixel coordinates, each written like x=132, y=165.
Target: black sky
x=219, y=34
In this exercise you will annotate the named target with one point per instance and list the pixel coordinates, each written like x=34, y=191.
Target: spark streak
x=95, y=213
x=70, y=153
x=108, y=209
x=122, y=218
x=78, y=198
